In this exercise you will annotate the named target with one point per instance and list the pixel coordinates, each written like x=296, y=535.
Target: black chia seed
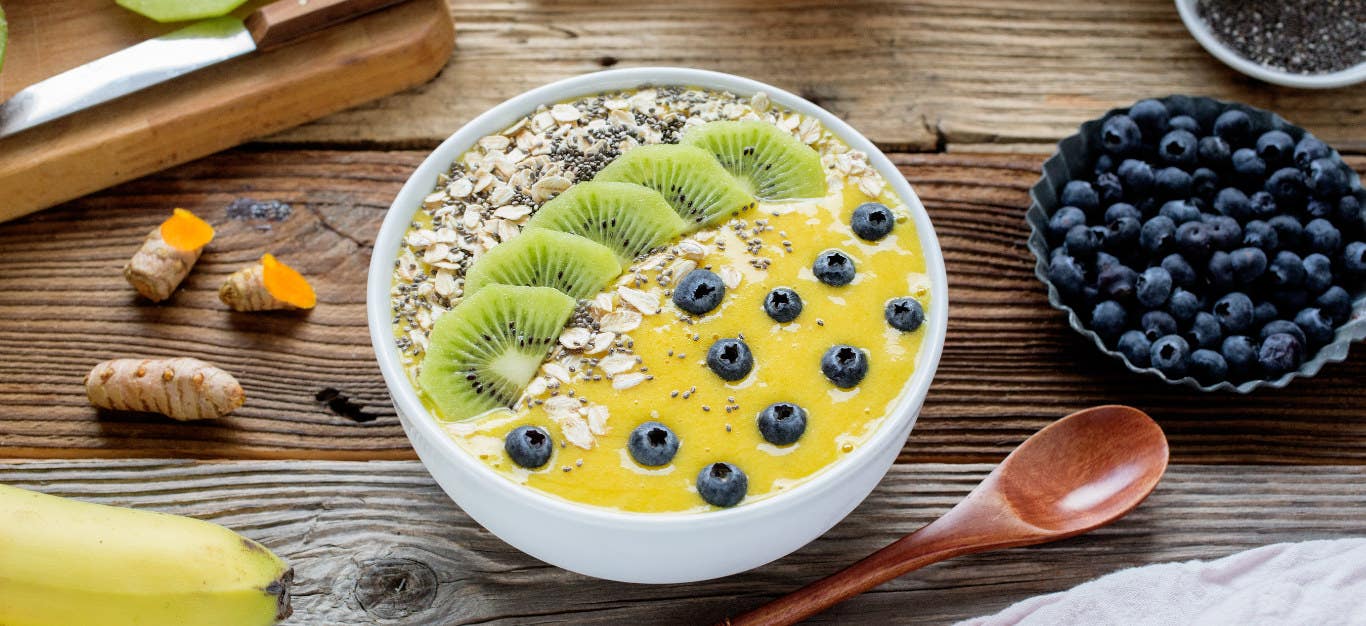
x=1297, y=36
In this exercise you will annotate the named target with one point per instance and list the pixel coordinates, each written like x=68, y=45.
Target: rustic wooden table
x=966, y=97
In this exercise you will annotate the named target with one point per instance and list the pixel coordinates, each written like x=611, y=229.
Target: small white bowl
x=635, y=547
x=1190, y=15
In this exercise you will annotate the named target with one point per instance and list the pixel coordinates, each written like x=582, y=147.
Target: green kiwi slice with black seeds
x=575, y=265
x=767, y=160
x=630, y=219
x=701, y=191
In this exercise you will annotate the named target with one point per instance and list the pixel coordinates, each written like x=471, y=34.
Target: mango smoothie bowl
x=656, y=324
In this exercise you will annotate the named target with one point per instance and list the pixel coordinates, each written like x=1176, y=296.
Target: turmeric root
x=265, y=286
x=180, y=388
x=167, y=255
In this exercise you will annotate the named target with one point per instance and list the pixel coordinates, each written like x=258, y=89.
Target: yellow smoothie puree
x=687, y=397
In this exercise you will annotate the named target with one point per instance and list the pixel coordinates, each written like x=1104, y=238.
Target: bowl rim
x=420, y=183
x=1199, y=29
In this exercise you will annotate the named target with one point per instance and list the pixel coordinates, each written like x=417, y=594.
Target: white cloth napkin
x=1318, y=583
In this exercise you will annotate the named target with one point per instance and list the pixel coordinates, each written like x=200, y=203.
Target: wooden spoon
x=1077, y=474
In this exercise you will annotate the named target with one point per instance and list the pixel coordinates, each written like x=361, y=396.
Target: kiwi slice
x=772, y=163
x=575, y=265
x=4, y=36
x=629, y=219
x=689, y=178
x=180, y=10
x=483, y=352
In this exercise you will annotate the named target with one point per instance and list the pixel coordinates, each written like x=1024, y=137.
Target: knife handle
x=284, y=21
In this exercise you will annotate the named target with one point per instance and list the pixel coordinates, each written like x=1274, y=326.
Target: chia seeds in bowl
x=1086, y=157
x=1296, y=36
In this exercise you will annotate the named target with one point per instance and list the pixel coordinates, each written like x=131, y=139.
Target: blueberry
x=783, y=305
x=1122, y=234
x=1310, y=149
x=1275, y=147
x=1067, y=275
x=782, y=423
x=1104, y=260
x=1233, y=126
x=1205, y=331
x=1219, y=270
x=1289, y=232
x=722, y=484
x=529, y=446
x=1224, y=232
x=1183, y=305
x=1286, y=270
x=1280, y=353
x=1213, y=152
x=1354, y=258
x=1287, y=186
x=1232, y=202
x=872, y=221
x=699, y=292
x=1262, y=205
x=1122, y=209
x=652, y=444
x=1249, y=167
x=1205, y=183
x=1080, y=194
x=1240, y=354
x=1109, y=188
x=1292, y=299
x=844, y=365
x=1155, y=324
x=1170, y=355
x=1153, y=287
x=1318, y=273
x=1318, y=208
x=1317, y=326
x=1108, y=319
x=1172, y=182
x=1104, y=163
x=1193, y=240
x=1151, y=117
x=1248, y=264
x=1063, y=221
x=1177, y=147
x=1180, y=270
x=1327, y=178
x=1120, y=135
x=1235, y=313
x=1208, y=366
x=730, y=359
x=1263, y=313
x=1349, y=210
x=1135, y=346
x=1117, y=282
x=1137, y=176
x=1179, y=211
x=1336, y=304
x=1184, y=123
x=834, y=268
x=1259, y=234
x=1282, y=327
x=1321, y=236
x=1158, y=235
x=1082, y=242
x=904, y=314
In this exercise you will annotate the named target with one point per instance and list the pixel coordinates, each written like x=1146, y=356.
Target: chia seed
x=1297, y=36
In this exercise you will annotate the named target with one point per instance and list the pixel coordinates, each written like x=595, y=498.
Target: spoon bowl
x=1077, y=474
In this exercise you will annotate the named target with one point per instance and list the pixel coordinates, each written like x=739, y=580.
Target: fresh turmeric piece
x=266, y=286
x=180, y=388
x=167, y=255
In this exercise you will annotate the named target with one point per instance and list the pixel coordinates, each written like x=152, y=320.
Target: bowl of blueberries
x=1210, y=244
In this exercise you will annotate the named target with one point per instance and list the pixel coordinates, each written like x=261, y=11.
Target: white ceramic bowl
x=1190, y=15
x=635, y=547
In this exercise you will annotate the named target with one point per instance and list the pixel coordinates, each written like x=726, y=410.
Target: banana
x=64, y=562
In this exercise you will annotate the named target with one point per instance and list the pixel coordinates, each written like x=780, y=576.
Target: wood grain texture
x=380, y=543
x=201, y=113
x=909, y=75
x=1011, y=364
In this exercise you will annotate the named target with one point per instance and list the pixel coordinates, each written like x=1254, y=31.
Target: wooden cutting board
x=200, y=113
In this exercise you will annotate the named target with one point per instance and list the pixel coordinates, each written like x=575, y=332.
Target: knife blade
x=164, y=58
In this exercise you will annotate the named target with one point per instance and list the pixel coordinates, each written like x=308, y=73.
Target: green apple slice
x=180, y=10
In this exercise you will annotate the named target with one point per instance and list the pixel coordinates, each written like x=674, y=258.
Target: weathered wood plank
x=912, y=75
x=385, y=529
x=1010, y=366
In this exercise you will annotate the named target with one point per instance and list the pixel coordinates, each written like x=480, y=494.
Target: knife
x=155, y=61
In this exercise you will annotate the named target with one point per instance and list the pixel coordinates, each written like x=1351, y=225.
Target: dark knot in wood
x=395, y=588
